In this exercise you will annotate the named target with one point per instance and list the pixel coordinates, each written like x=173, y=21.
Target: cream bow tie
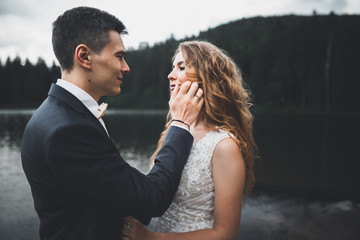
x=102, y=110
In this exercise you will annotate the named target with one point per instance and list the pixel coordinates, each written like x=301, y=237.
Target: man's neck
x=78, y=80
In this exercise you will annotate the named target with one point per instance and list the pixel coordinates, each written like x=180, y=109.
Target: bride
x=219, y=171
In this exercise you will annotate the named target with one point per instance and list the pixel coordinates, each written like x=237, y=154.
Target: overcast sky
x=26, y=25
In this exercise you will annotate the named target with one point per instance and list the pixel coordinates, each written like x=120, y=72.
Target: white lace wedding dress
x=193, y=204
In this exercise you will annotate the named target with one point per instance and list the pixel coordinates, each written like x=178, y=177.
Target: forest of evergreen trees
x=288, y=62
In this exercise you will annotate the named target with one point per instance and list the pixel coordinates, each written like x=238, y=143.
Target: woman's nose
x=172, y=76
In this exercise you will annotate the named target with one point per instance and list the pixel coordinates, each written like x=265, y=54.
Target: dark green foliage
x=307, y=62
x=25, y=85
x=283, y=59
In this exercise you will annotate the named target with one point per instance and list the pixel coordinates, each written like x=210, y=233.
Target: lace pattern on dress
x=193, y=204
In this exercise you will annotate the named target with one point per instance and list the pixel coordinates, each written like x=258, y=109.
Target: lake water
x=307, y=181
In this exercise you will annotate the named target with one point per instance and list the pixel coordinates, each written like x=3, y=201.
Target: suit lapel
x=74, y=103
x=66, y=97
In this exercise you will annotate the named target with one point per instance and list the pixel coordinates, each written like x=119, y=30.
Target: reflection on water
x=276, y=217
x=18, y=219
x=300, y=155
x=309, y=154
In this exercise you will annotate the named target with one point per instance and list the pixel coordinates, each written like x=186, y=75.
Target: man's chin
x=115, y=92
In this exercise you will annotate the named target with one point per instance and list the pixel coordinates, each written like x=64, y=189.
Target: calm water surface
x=307, y=181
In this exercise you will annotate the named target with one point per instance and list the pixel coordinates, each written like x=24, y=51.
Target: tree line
x=302, y=62
x=25, y=85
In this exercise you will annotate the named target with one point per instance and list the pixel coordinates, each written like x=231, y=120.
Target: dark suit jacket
x=82, y=187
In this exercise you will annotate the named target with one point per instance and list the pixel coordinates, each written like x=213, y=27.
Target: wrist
x=180, y=122
x=150, y=235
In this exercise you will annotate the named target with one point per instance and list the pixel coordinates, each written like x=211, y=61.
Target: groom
x=82, y=187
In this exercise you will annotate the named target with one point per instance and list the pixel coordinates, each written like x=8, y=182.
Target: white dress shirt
x=83, y=96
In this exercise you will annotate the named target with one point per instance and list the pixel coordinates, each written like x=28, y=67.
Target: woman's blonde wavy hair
x=226, y=102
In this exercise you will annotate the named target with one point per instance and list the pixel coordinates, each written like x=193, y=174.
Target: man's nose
x=125, y=67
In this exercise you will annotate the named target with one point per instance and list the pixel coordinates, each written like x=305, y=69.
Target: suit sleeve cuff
x=175, y=125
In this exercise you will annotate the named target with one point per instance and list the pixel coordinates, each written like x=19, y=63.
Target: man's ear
x=82, y=56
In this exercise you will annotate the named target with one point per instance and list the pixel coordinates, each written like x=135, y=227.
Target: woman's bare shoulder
x=227, y=152
x=227, y=146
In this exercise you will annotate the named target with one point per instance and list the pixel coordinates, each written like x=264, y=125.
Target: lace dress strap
x=213, y=138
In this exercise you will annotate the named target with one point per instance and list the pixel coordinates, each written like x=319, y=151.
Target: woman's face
x=178, y=75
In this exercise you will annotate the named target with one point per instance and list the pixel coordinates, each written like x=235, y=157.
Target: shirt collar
x=80, y=94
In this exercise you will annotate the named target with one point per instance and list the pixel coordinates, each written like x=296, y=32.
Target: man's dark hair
x=82, y=25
